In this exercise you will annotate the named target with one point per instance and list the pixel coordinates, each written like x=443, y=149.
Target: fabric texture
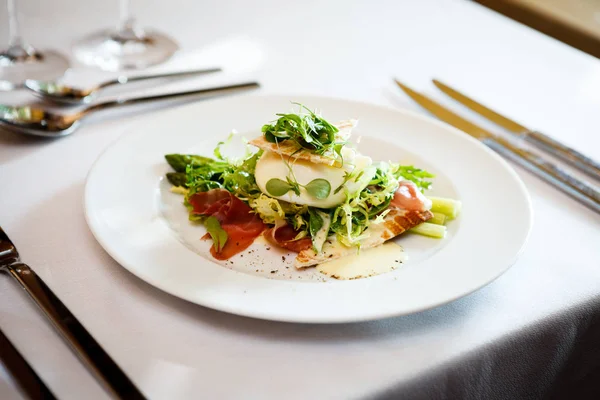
x=556, y=359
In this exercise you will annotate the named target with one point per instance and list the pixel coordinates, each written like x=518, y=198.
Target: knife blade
x=544, y=142
x=480, y=109
x=561, y=179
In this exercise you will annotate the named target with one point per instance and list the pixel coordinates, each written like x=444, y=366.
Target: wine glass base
x=18, y=65
x=111, y=51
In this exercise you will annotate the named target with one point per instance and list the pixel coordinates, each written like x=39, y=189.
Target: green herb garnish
x=317, y=188
x=308, y=129
x=218, y=235
x=416, y=175
x=277, y=187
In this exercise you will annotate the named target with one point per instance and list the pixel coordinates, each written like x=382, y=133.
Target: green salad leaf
x=208, y=174
x=315, y=222
x=306, y=128
x=416, y=175
x=218, y=235
x=348, y=221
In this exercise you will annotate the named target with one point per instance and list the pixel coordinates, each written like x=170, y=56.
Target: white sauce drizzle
x=370, y=262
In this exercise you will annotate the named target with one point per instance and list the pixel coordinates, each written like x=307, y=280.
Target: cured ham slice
x=408, y=208
x=235, y=216
x=396, y=222
x=409, y=197
x=283, y=236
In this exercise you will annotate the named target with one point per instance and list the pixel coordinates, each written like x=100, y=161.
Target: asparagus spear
x=431, y=230
x=180, y=161
x=177, y=178
x=438, y=218
x=449, y=207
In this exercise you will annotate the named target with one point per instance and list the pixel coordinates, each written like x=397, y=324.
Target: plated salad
x=305, y=187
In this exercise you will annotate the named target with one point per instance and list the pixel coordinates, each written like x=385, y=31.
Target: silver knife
x=569, y=155
x=83, y=344
x=28, y=381
x=556, y=176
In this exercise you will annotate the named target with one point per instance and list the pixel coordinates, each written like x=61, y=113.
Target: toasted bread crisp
x=396, y=222
x=292, y=149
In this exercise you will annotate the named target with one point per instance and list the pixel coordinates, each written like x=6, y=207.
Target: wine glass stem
x=127, y=21
x=14, y=38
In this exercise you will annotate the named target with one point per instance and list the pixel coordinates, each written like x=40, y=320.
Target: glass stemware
x=20, y=61
x=126, y=47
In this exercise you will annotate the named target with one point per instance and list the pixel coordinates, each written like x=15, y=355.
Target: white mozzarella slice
x=272, y=165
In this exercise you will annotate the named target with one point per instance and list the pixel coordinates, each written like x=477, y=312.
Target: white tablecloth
x=522, y=328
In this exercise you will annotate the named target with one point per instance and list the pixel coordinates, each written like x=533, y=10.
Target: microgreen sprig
x=318, y=188
x=308, y=129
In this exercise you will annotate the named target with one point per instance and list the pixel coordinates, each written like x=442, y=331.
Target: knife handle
x=28, y=381
x=80, y=340
x=565, y=153
x=548, y=172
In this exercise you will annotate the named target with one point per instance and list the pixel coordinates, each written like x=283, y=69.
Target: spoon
x=67, y=94
x=41, y=122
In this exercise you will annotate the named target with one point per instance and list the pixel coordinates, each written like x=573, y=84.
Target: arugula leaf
x=239, y=179
x=318, y=188
x=218, y=235
x=416, y=175
x=315, y=222
x=276, y=187
x=205, y=177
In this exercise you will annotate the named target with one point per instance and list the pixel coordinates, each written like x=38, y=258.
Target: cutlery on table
x=41, y=122
x=80, y=340
x=67, y=94
x=29, y=382
x=551, y=173
x=538, y=139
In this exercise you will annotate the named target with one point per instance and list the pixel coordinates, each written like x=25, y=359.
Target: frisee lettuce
x=306, y=128
x=349, y=220
x=215, y=174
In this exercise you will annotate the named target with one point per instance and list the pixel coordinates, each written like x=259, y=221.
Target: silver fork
x=80, y=340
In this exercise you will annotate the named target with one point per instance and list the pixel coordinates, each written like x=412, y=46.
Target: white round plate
x=144, y=226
